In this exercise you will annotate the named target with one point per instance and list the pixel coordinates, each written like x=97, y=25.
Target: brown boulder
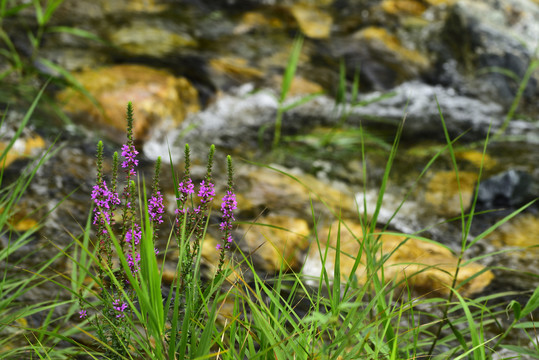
x=157, y=97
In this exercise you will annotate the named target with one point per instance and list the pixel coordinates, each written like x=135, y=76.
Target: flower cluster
x=186, y=188
x=120, y=307
x=156, y=207
x=228, y=205
x=105, y=201
x=206, y=192
x=130, y=153
x=132, y=238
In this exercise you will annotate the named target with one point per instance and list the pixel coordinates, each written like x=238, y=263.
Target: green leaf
x=75, y=31
x=290, y=70
x=515, y=306
x=532, y=304
x=534, y=354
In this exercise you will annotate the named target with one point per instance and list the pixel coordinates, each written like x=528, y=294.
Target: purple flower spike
x=105, y=201
x=82, y=314
x=130, y=153
x=228, y=205
x=206, y=192
x=156, y=208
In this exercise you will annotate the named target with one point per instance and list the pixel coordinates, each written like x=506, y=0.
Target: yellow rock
x=22, y=148
x=443, y=192
x=273, y=190
x=299, y=86
x=442, y=2
x=427, y=267
x=522, y=231
x=19, y=220
x=156, y=95
x=409, y=7
x=236, y=68
x=476, y=157
x=389, y=42
x=280, y=243
x=252, y=20
x=312, y=21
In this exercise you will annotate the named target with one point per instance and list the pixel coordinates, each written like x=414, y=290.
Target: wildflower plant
x=130, y=294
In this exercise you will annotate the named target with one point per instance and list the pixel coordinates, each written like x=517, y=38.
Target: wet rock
x=158, y=97
x=428, y=267
x=279, y=242
x=510, y=189
x=486, y=37
x=418, y=100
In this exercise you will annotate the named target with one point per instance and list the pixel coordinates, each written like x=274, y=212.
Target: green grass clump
x=284, y=316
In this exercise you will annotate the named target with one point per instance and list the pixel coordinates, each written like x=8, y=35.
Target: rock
x=26, y=146
x=158, y=98
x=312, y=21
x=461, y=113
x=252, y=20
x=235, y=68
x=280, y=241
x=443, y=192
x=386, y=49
x=157, y=38
x=410, y=7
x=428, y=267
x=477, y=159
x=522, y=232
x=300, y=86
x=268, y=189
x=510, y=189
x=486, y=37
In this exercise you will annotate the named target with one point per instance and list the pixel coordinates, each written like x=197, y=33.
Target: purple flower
x=105, y=201
x=133, y=235
x=206, y=192
x=82, y=314
x=133, y=262
x=228, y=205
x=130, y=153
x=186, y=188
x=156, y=207
x=119, y=307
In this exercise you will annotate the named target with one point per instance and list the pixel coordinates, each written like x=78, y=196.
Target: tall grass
x=16, y=279
x=284, y=316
